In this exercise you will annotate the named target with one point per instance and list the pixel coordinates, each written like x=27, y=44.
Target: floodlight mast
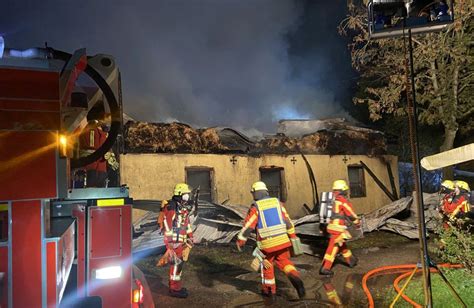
x=413, y=124
x=380, y=26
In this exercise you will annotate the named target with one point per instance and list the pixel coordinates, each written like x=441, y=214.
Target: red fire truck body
x=58, y=246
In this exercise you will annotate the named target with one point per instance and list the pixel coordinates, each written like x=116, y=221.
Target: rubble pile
x=220, y=223
x=332, y=142
x=331, y=138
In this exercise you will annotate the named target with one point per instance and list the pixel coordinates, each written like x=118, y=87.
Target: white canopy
x=448, y=158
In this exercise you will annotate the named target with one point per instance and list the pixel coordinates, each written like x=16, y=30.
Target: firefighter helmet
x=462, y=185
x=448, y=184
x=259, y=186
x=181, y=188
x=340, y=185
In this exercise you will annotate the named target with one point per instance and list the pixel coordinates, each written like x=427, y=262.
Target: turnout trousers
x=280, y=258
x=176, y=265
x=337, y=243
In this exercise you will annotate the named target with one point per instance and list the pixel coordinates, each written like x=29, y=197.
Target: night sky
x=237, y=63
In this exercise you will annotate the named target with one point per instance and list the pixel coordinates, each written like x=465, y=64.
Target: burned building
x=296, y=166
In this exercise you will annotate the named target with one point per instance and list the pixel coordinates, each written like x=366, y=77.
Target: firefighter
x=274, y=230
x=337, y=229
x=460, y=204
x=92, y=139
x=447, y=190
x=178, y=235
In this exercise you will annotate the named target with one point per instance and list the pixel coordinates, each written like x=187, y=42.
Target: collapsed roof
x=330, y=138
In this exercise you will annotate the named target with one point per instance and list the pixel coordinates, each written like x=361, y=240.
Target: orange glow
x=63, y=140
x=138, y=294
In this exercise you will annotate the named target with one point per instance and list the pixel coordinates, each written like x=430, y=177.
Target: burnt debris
x=331, y=138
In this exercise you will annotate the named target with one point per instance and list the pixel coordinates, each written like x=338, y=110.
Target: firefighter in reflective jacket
x=337, y=229
x=459, y=205
x=174, y=220
x=447, y=190
x=274, y=230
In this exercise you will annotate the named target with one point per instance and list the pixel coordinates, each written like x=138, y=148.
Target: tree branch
x=467, y=114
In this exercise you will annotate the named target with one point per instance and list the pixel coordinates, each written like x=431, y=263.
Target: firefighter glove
x=240, y=244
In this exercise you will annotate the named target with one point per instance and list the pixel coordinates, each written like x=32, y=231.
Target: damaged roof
x=337, y=137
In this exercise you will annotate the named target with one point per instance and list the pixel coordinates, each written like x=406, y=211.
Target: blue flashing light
x=2, y=46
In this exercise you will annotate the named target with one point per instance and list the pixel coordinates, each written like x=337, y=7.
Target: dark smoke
x=235, y=63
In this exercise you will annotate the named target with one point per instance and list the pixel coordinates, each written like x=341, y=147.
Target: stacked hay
x=330, y=142
x=142, y=137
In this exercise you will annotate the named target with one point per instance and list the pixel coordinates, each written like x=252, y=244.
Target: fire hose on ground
x=405, y=270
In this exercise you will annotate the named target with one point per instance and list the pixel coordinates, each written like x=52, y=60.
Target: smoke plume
x=230, y=63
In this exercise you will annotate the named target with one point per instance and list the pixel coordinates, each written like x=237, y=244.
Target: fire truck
x=60, y=247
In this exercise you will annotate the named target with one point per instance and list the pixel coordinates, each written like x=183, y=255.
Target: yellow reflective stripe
x=289, y=268
x=334, y=297
x=274, y=241
x=337, y=228
x=332, y=256
x=272, y=231
x=262, y=218
x=250, y=221
x=267, y=203
x=110, y=202
x=346, y=235
x=347, y=254
x=340, y=239
x=3, y=207
x=456, y=211
x=291, y=230
x=466, y=207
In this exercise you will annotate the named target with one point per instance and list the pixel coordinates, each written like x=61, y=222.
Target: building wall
x=153, y=176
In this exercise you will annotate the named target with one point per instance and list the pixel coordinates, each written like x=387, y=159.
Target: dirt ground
x=219, y=276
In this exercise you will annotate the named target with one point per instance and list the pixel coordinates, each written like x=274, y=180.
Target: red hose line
x=394, y=269
x=402, y=276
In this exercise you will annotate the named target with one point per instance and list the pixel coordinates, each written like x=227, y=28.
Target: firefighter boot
x=326, y=272
x=298, y=285
x=353, y=262
x=183, y=293
x=269, y=298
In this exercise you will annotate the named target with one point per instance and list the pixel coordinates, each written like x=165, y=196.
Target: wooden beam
x=379, y=183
